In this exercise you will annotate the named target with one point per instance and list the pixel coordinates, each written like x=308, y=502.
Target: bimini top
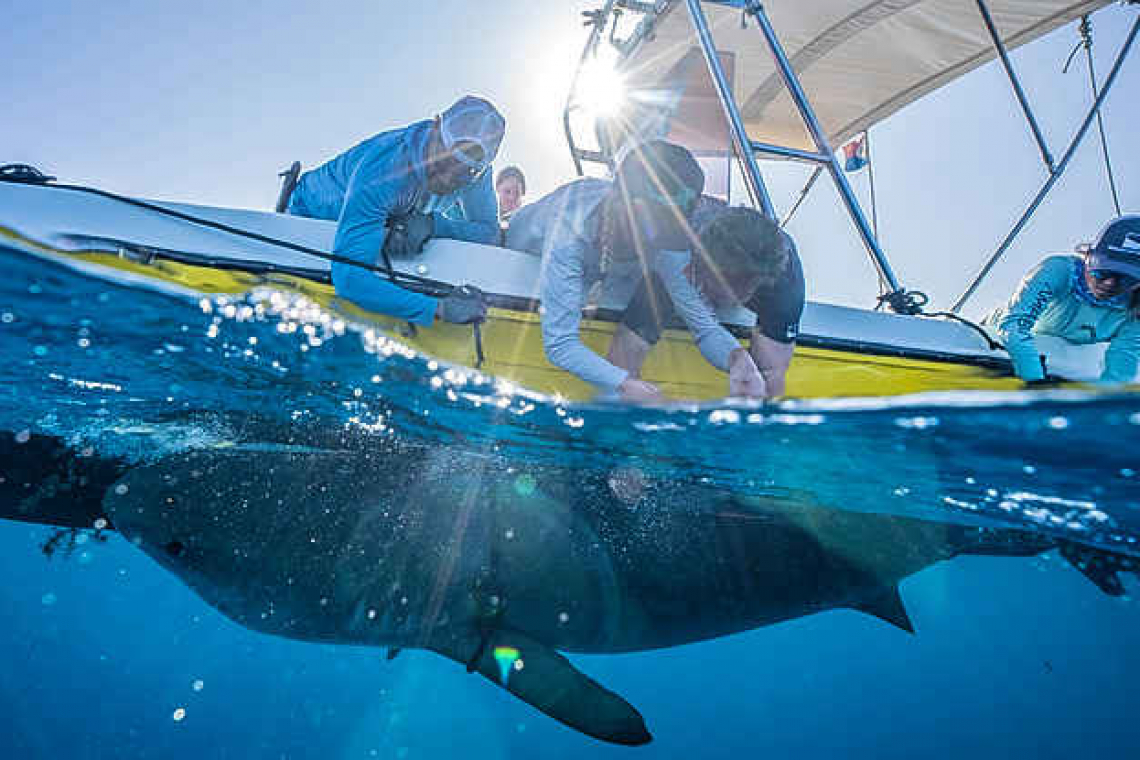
x=858, y=60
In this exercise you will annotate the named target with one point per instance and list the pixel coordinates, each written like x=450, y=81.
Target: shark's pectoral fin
x=888, y=607
x=542, y=677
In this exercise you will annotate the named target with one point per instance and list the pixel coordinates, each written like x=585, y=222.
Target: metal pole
x=871, y=182
x=793, y=153
x=598, y=19
x=791, y=81
x=1056, y=174
x=1046, y=156
x=740, y=138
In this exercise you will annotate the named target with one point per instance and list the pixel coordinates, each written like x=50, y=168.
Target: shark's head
x=253, y=543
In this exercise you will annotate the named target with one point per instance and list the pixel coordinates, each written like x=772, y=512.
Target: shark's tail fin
x=44, y=480
x=1100, y=565
x=1002, y=542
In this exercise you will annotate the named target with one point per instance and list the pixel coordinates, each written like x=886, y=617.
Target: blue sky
x=205, y=102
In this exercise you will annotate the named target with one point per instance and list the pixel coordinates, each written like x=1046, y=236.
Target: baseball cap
x=1117, y=248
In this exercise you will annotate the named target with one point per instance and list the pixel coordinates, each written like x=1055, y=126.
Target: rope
x=802, y=197
x=1086, y=42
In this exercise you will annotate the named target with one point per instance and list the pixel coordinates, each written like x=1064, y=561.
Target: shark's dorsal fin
x=543, y=678
x=889, y=608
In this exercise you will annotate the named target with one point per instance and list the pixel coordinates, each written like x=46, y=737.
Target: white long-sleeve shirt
x=563, y=228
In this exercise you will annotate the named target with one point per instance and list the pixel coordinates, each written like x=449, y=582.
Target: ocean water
x=109, y=655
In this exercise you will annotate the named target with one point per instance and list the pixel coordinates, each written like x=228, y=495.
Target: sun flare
x=601, y=89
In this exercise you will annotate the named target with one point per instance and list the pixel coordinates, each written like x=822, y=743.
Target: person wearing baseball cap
x=1091, y=297
x=619, y=231
x=396, y=190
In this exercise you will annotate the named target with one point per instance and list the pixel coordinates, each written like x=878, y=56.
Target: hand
x=634, y=391
x=463, y=306
x=407, y=234
x=743, y=377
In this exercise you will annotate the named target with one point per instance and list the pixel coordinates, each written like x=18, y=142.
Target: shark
x=500, y=567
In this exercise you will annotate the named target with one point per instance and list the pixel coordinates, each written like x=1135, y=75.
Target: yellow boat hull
x=513, y=349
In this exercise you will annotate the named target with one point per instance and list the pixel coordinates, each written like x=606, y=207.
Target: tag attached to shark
x=546, y=680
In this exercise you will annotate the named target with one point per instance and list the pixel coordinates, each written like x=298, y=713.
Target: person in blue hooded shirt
x=1089, y=298
x=394, y=191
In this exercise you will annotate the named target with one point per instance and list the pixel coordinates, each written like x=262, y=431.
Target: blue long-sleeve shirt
x=1053, y=300
x=382, y=177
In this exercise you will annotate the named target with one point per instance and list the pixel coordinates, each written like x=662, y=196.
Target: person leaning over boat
x=394, y=191
x=593, y=227
x=1091, y=298
x=743, y=258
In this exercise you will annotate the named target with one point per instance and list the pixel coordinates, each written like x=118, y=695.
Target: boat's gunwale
x=278, y=276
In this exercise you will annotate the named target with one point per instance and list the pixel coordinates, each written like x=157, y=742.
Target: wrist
x=739, y=357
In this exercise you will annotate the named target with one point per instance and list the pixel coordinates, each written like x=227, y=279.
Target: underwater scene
x=246, y=526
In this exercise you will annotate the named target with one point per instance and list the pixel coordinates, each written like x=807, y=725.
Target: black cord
x=425, y=285
x=24, y=174
x=993, y=344
x=902, y=301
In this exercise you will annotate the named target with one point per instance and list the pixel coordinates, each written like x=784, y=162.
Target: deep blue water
x=109, y=655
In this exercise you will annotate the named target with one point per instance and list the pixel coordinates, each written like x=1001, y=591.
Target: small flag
x=856, y=153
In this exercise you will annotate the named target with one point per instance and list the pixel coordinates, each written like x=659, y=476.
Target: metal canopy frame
x=1055, y=171
x=823, y=157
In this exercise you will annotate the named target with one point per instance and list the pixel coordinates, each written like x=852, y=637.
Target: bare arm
x=772, y=359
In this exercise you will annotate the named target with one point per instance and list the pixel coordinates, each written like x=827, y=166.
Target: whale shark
x=503, y=568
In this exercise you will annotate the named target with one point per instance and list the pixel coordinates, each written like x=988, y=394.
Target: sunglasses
x=465, y=163
x=1124, y=281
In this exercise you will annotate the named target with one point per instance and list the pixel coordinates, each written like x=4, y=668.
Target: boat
x=736, y=81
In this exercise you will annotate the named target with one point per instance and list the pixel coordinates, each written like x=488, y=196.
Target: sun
x=601, y=90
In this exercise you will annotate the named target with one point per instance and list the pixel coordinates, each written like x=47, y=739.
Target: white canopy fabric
x=858, y=60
